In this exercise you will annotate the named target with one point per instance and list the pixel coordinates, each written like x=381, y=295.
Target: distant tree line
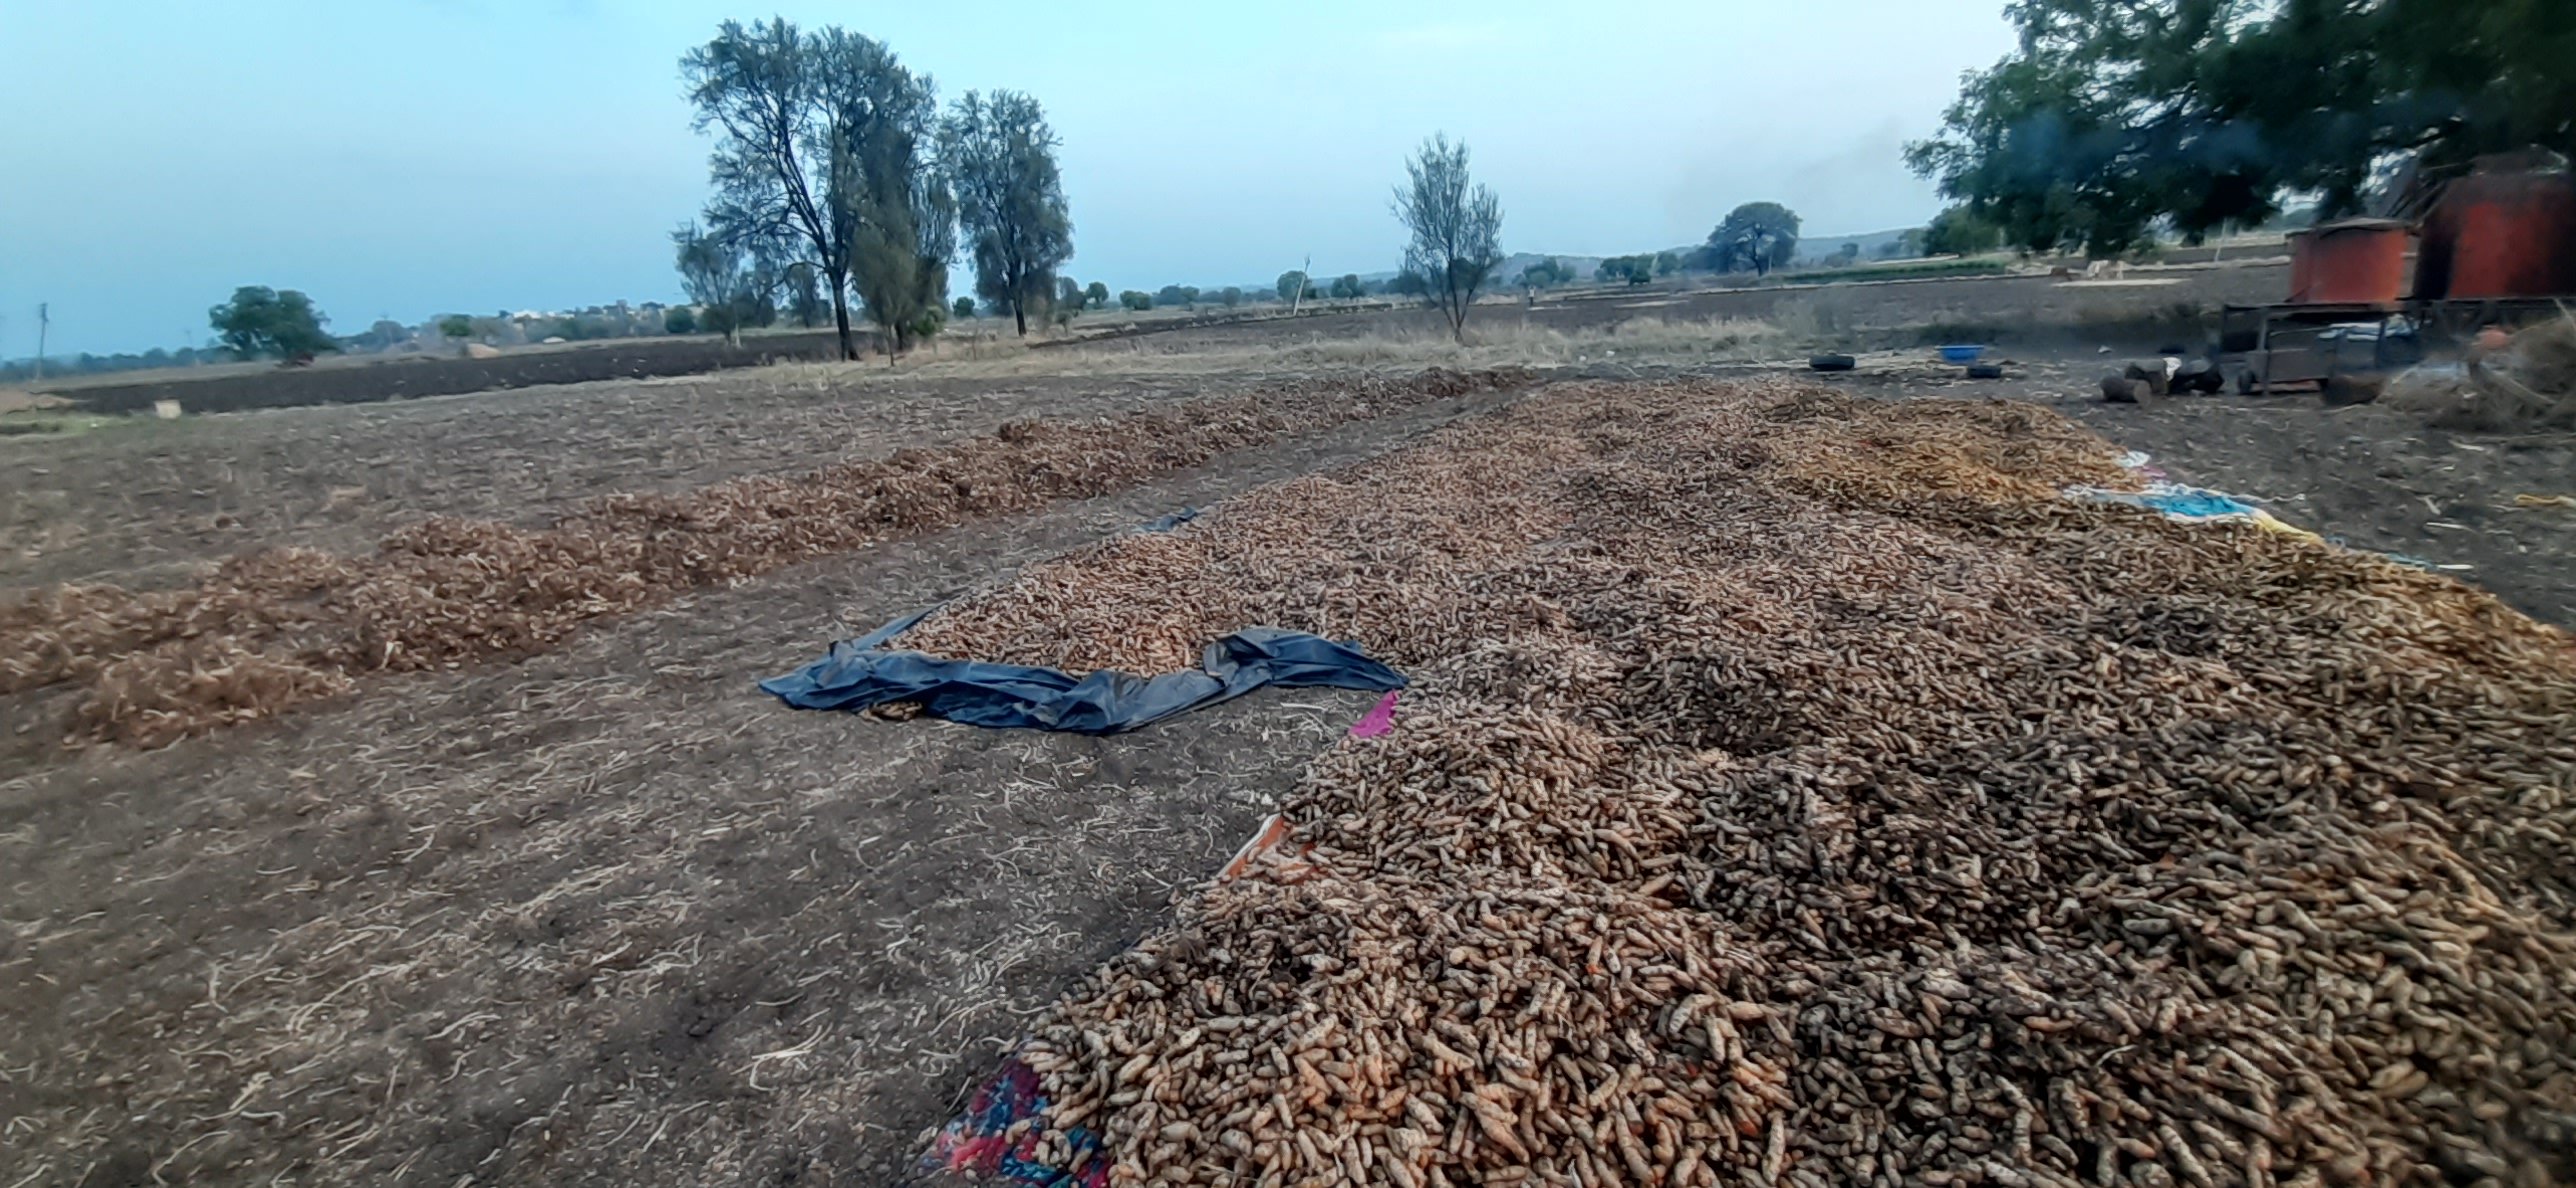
x=1292, y=286
x=735, y=285
x=1756, y=237
x=260, y=322
x=1546, y=274
x=839, y=183
x=18, y=371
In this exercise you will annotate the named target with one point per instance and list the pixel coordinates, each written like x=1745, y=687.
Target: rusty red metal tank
x=2356, y=261
x=2506, y=230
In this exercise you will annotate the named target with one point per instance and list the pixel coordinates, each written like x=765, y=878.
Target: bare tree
x=1456, y=229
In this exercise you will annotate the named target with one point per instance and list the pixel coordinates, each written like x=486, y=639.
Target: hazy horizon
x=418, y=158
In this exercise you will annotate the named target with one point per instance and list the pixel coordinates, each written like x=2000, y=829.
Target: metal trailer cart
x=2273, y=348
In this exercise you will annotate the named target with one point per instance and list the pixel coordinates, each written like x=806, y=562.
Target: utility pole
x=44, y=319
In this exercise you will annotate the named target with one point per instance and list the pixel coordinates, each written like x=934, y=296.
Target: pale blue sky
x=410, y=157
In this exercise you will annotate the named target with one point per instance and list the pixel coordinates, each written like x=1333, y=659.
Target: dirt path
x=611, y=915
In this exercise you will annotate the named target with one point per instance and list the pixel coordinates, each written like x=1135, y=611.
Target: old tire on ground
x=1986, y=371
x=2199, y=375
x=1832, y=362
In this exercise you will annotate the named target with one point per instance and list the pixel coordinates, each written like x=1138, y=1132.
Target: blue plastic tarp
x=2174, y=500
x=863, y=673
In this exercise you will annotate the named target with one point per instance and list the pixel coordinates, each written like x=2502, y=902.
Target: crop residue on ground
x=269, y=630
x=1796, y=789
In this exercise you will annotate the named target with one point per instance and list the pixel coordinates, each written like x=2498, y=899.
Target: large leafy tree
x=1547, y=273
x=1757, y=235
x=2499, y=74
x=1635, y=270
x=1455, y=229
x=999, y=158
x=2113, y=116
x=263, y=321
x=1954, y=232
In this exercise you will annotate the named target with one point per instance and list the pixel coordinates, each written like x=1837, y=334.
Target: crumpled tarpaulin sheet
x=997, y=1137
x=863, y=673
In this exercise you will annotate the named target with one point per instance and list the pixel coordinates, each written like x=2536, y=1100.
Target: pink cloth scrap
x=1378, y=721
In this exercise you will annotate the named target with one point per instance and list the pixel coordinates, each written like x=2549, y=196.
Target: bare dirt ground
x=610, y=915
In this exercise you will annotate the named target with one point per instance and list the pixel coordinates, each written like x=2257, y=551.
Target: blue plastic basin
x=1962, y=354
